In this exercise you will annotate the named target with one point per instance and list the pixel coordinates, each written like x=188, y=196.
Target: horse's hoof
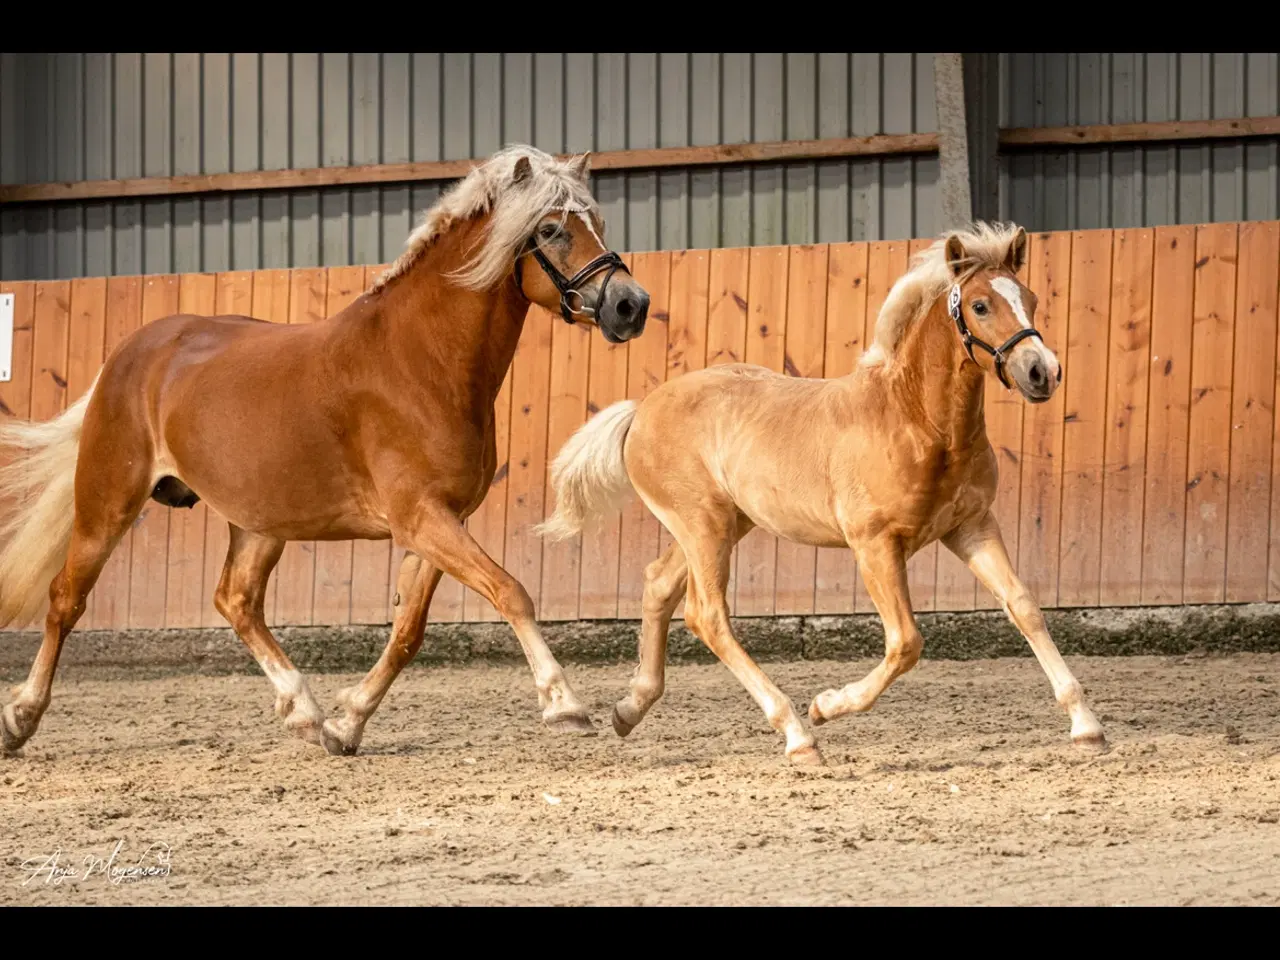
x=571, y=723
x=11, y=737
x=334, y=744
x=1092, y=743
x=809, y=756
x=815, y=715
x=620, y=726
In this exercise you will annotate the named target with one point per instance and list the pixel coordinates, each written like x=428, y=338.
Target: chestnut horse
x=377, y=422
x=886, y=461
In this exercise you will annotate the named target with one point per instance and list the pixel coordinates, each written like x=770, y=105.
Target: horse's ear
x=1017, y=251
x=582, y=166
x=955, y=255
x=523, y=171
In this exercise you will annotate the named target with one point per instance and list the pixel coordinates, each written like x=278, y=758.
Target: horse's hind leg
x=239, y=598
x=415, y=586
x=86, y=555
x=708, y=538
x=665, y=582
x=884, y=569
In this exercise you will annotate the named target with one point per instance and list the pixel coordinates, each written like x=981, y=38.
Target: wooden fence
x=1146, y=480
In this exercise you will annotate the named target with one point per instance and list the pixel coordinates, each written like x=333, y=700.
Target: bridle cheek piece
x=970, y=341
x=569, y=288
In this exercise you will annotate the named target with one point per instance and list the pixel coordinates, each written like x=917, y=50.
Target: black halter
x=569, y=288
x=970, y=341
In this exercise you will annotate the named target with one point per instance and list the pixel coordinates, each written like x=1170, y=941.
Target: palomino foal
x=886, y=460
x=377, y=422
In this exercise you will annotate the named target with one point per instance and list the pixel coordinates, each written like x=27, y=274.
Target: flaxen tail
x=589, y=475
x=37, y=500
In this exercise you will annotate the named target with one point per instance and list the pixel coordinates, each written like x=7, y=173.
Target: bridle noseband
x=569, y=288
x=970, y=341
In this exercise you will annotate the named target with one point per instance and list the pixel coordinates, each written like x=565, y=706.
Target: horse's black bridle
x=970, y=341
x=569, y=288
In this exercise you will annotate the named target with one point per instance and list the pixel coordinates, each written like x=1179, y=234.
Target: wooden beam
x=735, y=153
x=257, y=180
x=1164, y=131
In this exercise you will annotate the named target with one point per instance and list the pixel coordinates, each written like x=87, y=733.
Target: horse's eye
x=980, y=309
x=549, y=231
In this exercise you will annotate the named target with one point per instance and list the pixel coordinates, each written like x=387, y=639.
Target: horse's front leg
x=884, y=568
x=980, y=545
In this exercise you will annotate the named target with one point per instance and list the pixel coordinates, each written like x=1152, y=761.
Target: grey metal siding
x=94, y=116
x=1130, y=186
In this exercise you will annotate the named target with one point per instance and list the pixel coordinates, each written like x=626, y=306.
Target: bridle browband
x=569, y=288
x=970, y=341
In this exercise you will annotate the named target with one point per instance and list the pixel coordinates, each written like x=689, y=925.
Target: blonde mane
x=929, y=277
x=555, y=185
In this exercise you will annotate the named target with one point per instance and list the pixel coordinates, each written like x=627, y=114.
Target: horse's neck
x=931, y=377
x=473, y=333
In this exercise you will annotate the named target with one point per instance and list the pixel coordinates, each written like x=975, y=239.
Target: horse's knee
x=514, y=603
x=904, y=650
x=1022, y=609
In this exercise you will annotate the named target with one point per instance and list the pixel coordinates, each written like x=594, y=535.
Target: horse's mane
x=517, y=208
x=929, y=277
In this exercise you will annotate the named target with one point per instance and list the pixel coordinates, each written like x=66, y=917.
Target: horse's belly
x=798, y=518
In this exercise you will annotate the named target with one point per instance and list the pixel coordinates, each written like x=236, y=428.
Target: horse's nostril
x=626, y=309
x=1059, y=374
x=1036, y=373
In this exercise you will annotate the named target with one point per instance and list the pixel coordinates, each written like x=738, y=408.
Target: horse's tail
x=589, y=474
x=37, y=499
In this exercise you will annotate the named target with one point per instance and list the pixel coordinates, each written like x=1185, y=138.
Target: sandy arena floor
x=960, y=787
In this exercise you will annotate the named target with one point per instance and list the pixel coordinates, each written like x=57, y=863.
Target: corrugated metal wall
x=1138, y=186
x=92, y=116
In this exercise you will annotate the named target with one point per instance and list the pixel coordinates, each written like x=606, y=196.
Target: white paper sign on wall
x=6, y=337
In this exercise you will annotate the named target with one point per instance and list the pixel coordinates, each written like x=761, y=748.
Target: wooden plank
x=52, y=322
x=1168, y=409
x=1209, y=436
x=270, y=302
x=111, y=593
x=310, y=178
x=371, y=570
x=803, y=356
x=836, y=571
x=86, y=339
x=886, y=262
x=233, y=296
x=766, y=346
x=567, y=411
x=488, y=524
x=295, y=574
x=727, y=288
x=646, y=371
x=51, y=326
x=1042, y=441
x=332, y=603
x=1084, y=420
x=686, y=333
x=1004, y=410
x=1253, y=385
x=922, y=568
x=526, y=480
x=1152, y=132
x=1124, y=457
x=185, y=598
x=149, y=571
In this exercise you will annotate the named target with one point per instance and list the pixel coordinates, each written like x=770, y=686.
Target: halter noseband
x=569, y=288
x=970, y=341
